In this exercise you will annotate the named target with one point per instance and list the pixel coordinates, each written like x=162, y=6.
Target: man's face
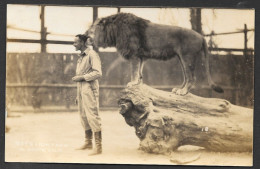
x=78, y=44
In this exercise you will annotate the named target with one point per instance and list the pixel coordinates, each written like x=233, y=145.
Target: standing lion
x=137, y=39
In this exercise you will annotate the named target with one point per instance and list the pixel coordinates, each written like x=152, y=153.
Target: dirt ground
x=53, y=137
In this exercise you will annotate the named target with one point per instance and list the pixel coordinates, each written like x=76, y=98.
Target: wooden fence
x=44, y=79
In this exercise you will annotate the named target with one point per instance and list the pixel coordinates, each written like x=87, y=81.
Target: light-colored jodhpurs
x=88, y=105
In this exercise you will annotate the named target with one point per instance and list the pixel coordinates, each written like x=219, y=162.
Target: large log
x=164, y=121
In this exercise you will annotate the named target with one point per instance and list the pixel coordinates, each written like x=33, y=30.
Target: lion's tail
x=210, y=81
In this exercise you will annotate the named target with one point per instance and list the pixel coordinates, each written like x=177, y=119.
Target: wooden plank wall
x=233, y=72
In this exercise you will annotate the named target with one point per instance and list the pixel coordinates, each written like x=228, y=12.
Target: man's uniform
x=89, y=66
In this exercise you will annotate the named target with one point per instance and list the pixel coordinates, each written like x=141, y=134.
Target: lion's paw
x=131, y=84
x=174, y=90
x=180, y=92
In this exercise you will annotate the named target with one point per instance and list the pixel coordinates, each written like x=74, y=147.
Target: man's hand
x=78, y=78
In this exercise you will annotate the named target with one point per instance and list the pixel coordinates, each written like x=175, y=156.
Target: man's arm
x=96, y=67
x=78, y=78
x=95, y=71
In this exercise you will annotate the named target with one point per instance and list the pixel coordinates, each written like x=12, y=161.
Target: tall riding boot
x=88, y=141
x=98, y=141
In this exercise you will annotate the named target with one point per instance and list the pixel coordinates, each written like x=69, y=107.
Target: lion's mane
x=124, y=31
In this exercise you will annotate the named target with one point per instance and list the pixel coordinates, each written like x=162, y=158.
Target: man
x=87, y=73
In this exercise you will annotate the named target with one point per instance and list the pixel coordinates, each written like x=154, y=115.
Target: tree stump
x=164, y=121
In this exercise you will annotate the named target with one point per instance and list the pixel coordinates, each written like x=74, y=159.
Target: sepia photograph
x=129, y=85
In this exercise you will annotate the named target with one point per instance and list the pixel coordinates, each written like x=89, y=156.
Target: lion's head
x=124, y=31
x=91, y=31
